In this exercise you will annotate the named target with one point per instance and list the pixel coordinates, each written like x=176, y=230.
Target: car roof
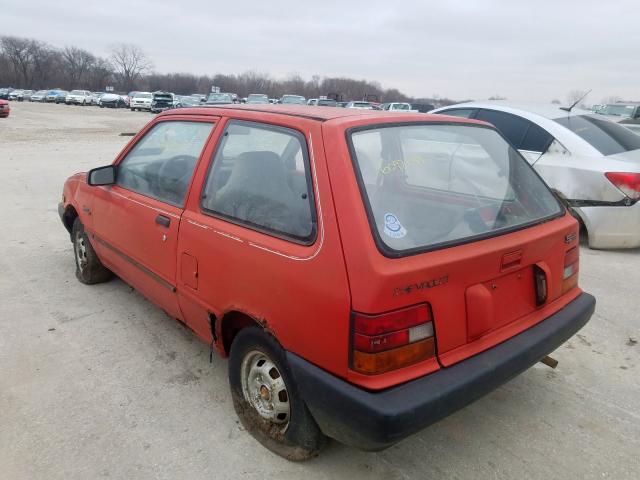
x=547, y=110
x=321, y=114
x=543, y=115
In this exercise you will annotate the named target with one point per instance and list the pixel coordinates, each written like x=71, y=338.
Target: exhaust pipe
x=549, y=362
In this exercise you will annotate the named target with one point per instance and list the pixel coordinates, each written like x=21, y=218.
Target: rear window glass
x=607, y=137
x=428, y=186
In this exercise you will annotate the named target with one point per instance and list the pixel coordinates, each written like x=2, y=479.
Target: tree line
x=33, y=64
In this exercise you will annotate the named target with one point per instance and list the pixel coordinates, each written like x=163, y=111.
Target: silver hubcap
x=81, y=250
x=264, y=389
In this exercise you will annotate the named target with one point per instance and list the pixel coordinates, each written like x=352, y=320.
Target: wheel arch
x=68, y=217
x=231, y=323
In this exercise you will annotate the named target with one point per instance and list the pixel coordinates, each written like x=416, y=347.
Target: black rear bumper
x=376, y=420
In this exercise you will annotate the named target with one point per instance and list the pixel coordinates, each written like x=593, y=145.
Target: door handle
x=163, y=220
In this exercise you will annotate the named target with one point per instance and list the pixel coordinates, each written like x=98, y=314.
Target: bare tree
x=129, y=63
x=100, y=74
x=19, y=54
x=77, y=64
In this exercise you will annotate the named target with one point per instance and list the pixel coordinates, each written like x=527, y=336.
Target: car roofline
x=374, y=116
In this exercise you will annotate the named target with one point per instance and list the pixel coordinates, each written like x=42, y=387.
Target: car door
x=136, y=221
x=255, y=238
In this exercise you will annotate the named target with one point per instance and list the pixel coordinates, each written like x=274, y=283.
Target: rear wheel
x=266, y=397
x=89, y=269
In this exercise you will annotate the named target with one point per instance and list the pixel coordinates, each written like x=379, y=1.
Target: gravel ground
x=97, y=382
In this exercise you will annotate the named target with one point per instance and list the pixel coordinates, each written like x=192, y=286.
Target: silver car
x=591, y=162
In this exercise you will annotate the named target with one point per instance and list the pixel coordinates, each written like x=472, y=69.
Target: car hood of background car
x=110, y=96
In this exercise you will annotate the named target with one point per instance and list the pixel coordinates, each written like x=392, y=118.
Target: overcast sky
x=523, y=50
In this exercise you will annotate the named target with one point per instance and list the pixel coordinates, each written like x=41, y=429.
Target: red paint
x=305, y=294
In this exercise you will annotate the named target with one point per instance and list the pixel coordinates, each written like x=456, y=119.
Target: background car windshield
x=607, y=137
x=293, y=99
x=143, y=95
x=436, y=185
x=619, y=110
x=401, y=106
x=77, y=92
x=217, y=97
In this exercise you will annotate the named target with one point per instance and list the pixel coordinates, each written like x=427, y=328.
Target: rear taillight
x=570, y=272
x=628, y=183
x=392, y=340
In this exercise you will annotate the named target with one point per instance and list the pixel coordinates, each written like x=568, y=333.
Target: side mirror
x=102, y=176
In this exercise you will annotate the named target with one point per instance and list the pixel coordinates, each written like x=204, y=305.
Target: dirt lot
x=97, y=382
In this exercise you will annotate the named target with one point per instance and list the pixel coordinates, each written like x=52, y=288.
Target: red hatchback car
x=367, y=273
x=5, y=109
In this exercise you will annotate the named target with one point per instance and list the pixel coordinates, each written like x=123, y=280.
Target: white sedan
x=591, y=162
x=79, y=97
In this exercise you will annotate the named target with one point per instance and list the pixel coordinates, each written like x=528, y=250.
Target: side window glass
x=459, y=112
x=511, y=126
x=536, y=139
x=161, y=164
x=260, y=178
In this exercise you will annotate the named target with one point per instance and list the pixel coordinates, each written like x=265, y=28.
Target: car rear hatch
x=460, y=225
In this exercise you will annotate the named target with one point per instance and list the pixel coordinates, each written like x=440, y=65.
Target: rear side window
x=161, y=164
x=428, y=186
x=536, y=139
x=607, y=137
x=459, y=112
x=260, y=178
x=511, y=126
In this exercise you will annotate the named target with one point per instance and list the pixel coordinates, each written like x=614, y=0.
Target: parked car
x=186, y=101
x=292, y=100
x=39, y=96
x=128, y=97
x=326, y=102
x=141, y=101
x=78, y=97
x=219, y=99
x=4, y=93
x=359, y=105
x=624, y=113
x=61, y=97
x=95, y=98
x=111, y=100
x=5, y=108
x=401, y=107
x=363, y=285
x=201, y=98
x=25, y=95
x=422, y=107
x=13, y=95
x=51, y=96
x=258, y=98
x=342, y=104
x=592, y=163
x=312, y=101
x=162, y=101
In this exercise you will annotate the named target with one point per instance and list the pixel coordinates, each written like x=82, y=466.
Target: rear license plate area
x=498, y=302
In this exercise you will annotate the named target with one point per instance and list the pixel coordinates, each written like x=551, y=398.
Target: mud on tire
x=89, y=269
x=292, y=432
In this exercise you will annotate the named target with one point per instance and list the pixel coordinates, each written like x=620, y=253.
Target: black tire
x=300, y=438
x=89, y=270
